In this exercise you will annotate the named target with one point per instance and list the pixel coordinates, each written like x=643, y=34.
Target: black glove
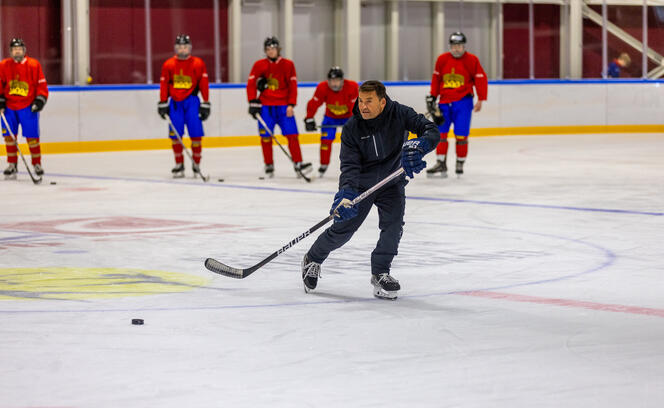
x=255, y=107
x=434, y=110
x=37, y=104
x=204, y=110
x=310, y=124
x=162, y=109
x=3, y=102
x=412, y=154
x=261, y=84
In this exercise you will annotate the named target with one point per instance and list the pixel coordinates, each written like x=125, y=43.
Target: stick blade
x=222, y=269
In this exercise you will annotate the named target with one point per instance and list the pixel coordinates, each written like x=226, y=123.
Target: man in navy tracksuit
x=374, y=144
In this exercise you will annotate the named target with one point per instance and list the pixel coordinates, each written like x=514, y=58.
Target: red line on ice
x=567, y=302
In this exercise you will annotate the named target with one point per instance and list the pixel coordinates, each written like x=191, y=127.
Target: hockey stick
x=177, y=135
x=269, y=132
x=34, y=180
x=222, y=269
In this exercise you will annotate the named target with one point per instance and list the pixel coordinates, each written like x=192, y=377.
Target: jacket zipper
x=373, y=137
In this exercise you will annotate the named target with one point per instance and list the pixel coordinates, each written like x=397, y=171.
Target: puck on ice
x=261, y=178
x=52, y=182
x=220, y=180
x=137, y=321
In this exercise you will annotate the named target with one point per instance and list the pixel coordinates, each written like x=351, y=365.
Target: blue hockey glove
x=412, y=154
x=342, y=208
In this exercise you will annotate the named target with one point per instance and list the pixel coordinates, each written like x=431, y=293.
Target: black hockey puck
x=261, y=178
x=137, y=321
x=220, y=180
x=53, y=183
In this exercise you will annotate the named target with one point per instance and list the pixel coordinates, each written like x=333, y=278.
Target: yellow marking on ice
x=314, y=138
x=90, y=283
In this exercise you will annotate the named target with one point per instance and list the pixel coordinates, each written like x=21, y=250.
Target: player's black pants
x=391, y=203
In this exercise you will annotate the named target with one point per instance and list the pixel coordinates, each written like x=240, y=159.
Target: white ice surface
x=535, y=280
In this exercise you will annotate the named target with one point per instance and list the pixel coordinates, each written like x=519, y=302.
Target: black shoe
x=310, y=274
x=178, y=171
x=302, y=168
x=269, y=170
x=385, y=286
x=10, y=172
x=322, y=169
x=39, y=170
x=459, y=166
x=196, y=169
x=438, y=170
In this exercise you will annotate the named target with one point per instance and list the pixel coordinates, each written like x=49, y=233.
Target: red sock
x=35, y=150
x=294, y=147
x=441, y=149
x=325, y=151
x=177, y=151
x=11, y=150
x=196, y=149
x=461, y=147
x=266, y=144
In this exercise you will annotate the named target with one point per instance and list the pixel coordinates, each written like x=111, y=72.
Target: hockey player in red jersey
x=454, y=75
x=182, y=77
x=275, y=78
x=339, y=95
x=23, y=94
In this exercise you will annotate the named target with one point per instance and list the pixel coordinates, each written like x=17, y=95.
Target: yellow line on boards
x=313, y=138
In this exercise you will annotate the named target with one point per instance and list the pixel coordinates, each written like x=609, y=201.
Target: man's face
x=183, y=51
x=457, y=50
x=17, y=53
x=335, y=84
x=370, y=104
x=272, y=52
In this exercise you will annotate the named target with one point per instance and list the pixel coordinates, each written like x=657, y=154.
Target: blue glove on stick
x=412, y=154
x=342, y=208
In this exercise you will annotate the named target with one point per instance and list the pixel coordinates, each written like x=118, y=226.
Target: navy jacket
x=371, y=149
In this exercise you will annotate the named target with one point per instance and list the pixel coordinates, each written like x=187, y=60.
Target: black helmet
x=16, y=42
x=335, y=72
x=182, y=39
x=271, y=42
x=457, y=38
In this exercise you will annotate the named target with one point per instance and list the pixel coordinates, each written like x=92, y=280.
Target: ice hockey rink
x=535, y=280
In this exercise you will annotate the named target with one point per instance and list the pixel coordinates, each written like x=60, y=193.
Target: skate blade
x=380, y=293
x=178, y=175
x=11, y=177
x=436, y=175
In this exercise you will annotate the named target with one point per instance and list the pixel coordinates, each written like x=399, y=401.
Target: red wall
x=117, y=36
x=38, y=23
x=515, y=41
x=629, y=18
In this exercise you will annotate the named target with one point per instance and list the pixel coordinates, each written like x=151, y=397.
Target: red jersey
x=453, y=78
x=181, y=78
x=281, y=82
x=338, y=104
x=21, y=82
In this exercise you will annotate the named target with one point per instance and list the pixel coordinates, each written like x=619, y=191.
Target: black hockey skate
x=438, y=170
x=459, y=168
x=195, y=169
x=10, y=172
x=39, y=170
x=269, y=170
x=178, y=170
x=385, y=286
x=302, y=168
x=310, y=274
x=321, y=170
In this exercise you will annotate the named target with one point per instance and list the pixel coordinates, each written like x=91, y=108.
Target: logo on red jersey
x=272, y=83
x=338, y=109
x=182, y=81
x=453, y=80
x=18, y=87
